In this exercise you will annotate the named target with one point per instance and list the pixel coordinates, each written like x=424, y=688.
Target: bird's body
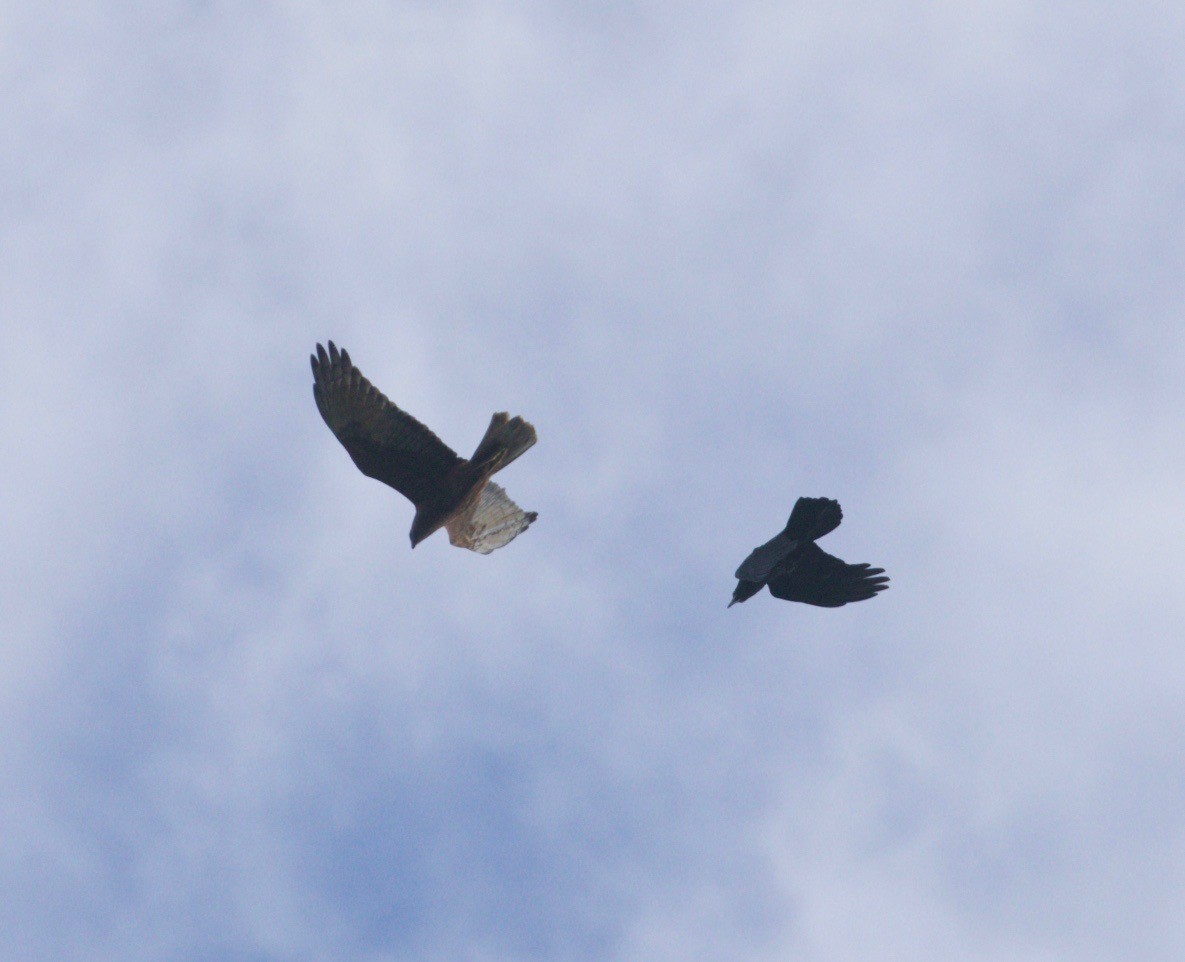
x=388, y=444
x=797, y=569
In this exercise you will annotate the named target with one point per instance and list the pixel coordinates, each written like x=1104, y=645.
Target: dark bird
x=388, y=444
x=797, y=569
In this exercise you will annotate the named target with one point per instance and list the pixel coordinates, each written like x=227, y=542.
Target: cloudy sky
x=925, y=258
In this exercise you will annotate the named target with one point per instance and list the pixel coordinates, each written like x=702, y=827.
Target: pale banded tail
x=491, y=522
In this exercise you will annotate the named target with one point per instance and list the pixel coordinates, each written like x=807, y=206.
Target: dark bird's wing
x=761, y=561
x=813, y=517
x=818, y=578
x=385, y=442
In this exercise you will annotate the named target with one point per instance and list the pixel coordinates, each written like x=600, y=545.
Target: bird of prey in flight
x=797, y=569
x=388, y=444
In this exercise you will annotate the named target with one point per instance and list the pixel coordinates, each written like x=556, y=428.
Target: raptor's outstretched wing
x=817, y=578
x=385, y=442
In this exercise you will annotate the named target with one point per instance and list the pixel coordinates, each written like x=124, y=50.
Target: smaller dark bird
x=797, y=569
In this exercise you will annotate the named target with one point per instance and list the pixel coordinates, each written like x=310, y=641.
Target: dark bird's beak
x=733, y=602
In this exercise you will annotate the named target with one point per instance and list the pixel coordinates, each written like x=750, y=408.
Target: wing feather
x=385, y=442
x=762, y=560
x=817, y=578
x=813, y=517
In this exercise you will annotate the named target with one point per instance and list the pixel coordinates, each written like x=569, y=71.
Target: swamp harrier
x=388, y=444
x=797, y=569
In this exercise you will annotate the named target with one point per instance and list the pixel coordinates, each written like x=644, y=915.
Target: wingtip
x=334, y=357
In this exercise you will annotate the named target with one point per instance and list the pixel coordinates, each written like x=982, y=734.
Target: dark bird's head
x=422, y=526
x=744, y=591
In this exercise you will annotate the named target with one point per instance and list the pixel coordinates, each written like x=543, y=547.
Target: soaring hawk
x=388, y=444
x=797, y=569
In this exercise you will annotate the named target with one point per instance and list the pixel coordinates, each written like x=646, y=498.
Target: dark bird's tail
x=505, y=439
x=812, y=518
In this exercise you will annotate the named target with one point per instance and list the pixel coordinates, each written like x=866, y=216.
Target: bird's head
x=421, y=526
x=744, y=591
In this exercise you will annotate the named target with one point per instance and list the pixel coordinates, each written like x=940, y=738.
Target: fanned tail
x=492, y=521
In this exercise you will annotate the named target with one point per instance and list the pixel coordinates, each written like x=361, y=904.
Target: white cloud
x=920, y=259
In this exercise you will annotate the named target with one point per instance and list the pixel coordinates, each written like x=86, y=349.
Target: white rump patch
x=491, y=522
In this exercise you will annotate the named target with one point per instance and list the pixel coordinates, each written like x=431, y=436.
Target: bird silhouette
x=797, y=569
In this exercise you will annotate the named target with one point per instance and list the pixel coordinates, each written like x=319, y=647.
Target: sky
x=924, y=258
